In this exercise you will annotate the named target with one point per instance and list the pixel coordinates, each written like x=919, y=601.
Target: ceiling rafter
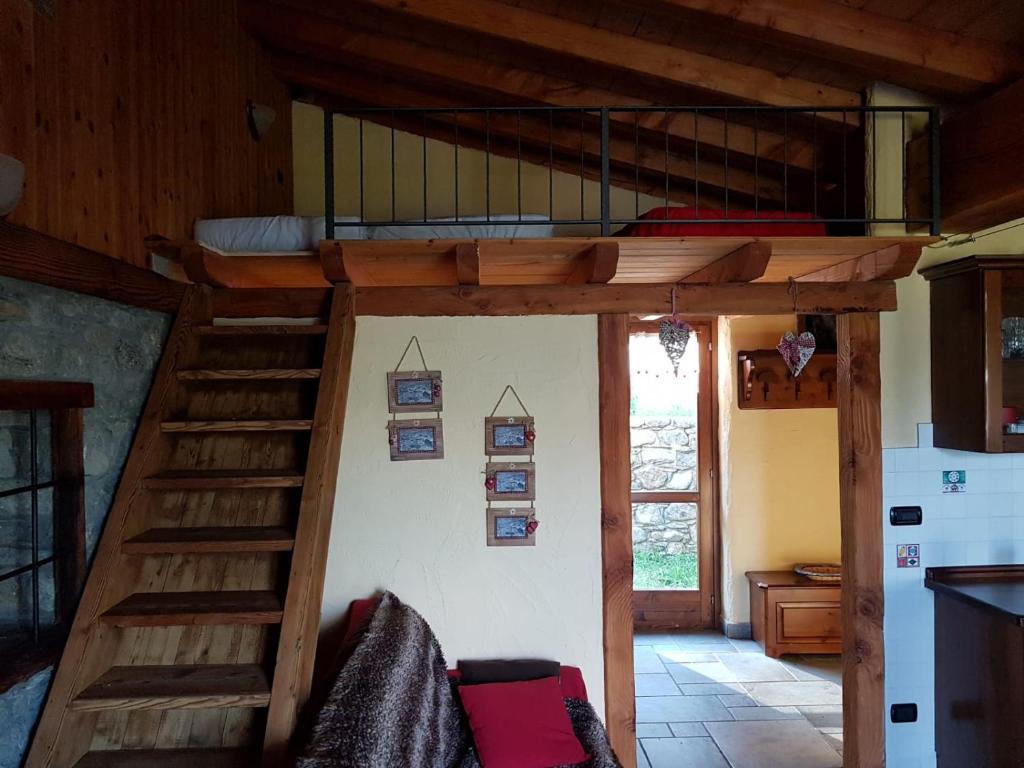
x=599, y=46
x=332, y=40
x=903, y=52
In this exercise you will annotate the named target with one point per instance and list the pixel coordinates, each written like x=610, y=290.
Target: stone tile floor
x=704, y=701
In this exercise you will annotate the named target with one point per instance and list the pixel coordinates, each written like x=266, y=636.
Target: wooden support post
x=860, y=509
x=616, y=535
x=67, y=436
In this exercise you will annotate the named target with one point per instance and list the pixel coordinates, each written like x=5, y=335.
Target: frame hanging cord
x=406, y=352
x=508, y=388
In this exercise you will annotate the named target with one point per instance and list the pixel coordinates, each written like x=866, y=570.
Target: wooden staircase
x=194, y=641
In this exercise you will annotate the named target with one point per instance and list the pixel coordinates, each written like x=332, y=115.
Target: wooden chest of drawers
x=790, y=613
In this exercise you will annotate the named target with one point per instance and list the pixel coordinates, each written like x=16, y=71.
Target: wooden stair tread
x=260, y=330
x=185, y=686
x=239, y=425
x=204, y=479
x=166, y=609
x=158, y=541
x=168, y=758
x=248, y=374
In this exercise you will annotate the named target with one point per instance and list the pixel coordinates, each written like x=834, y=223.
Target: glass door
x=671, y=437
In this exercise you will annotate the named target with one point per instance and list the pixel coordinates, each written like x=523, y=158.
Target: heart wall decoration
x=797, y=350
x=674, y=335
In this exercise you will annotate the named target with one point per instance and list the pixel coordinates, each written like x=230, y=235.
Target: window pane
x=16, y=610
x=663, y=416
x=15, y=444
x=665, y=546
x=15, y=531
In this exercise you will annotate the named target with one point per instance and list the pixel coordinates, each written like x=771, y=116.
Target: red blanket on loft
x=680, y=227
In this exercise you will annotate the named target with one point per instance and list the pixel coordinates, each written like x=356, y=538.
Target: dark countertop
x=998, y=589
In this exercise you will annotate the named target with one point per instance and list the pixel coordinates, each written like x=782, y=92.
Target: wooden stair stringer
x=293, y=672
x=60, y=739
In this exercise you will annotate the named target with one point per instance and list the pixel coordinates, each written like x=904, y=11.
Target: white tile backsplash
x=982, y=526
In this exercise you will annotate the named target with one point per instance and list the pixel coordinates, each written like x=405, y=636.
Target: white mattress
x=269, y=234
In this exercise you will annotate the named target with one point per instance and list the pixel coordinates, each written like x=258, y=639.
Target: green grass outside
x=657, y=571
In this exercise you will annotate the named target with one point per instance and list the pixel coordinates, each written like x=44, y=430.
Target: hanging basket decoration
x=674, y=335
x=797, y=350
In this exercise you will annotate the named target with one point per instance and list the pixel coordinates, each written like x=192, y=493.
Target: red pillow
x=521, y=725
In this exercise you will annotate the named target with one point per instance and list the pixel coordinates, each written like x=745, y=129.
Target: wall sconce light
x=12, y=183
x=259, y=118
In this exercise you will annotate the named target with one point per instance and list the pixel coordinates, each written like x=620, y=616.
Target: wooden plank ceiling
x=811, y=53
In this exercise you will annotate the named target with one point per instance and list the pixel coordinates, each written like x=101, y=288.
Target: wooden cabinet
x=979, y=665
x=790, y=613
x=971, y=378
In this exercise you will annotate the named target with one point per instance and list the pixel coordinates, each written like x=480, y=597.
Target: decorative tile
x=954, y=481
x=908, y=555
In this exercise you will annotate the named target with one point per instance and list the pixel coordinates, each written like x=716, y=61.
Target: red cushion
x=679, y=227
x=570, y=679
x=521, y=725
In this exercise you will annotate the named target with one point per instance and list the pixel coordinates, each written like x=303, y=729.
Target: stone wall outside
x=664, y=458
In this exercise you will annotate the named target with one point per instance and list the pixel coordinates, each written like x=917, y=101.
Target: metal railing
x=845, y=169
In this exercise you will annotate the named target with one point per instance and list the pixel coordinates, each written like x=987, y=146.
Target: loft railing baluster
x=814, y=162
x=845, y=199
x=423, y=139
x=636, y=164
x=726, y=142
x=583, y=172
x=394, y=162
x=785, y=164
x=33, y=449
x=329, y=175
x=456, y=165
x=605, y=175
x=519, y=164
x=696, y=162
x=487, y=165
x=935, y=171
x=903, y=163
x=757, y=177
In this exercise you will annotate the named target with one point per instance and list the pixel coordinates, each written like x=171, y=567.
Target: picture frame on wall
x=414, y=391
x=511, y=527
x=416, y=439
x=509, y=481
x=509, y=435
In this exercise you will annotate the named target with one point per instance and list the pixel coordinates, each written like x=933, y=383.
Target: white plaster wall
x=418, y=527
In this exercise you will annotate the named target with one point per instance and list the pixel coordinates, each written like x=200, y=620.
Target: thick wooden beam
x=746, y=264
x=26, y=394
x=602, y=47
x=206, y=268
x=333, y=40
x=467, y=263
x=535, y=130
x=982, y=161
x=723, y=299
x=616, y=534
x=890, y=263
x=596, y=265
x=29, y=255
x=860, y=509
x=332, y=260
x=271, y=302
x=902, y=52
x=293, y=672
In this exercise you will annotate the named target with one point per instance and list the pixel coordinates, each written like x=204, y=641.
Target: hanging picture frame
x=416, y=439
x=509, y=435
x=509, y=481
x=414, y=391
x=511, y=527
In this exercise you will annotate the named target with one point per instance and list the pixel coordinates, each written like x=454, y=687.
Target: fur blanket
x=393, y=705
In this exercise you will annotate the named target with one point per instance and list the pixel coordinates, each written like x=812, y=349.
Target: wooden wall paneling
x=130, y=118
x=860, y=508
x=616, y=534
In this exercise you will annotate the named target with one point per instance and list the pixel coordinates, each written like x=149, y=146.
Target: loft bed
x=736, y=194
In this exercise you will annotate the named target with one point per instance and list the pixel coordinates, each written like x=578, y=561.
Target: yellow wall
x=779, y=474
x=308, y=148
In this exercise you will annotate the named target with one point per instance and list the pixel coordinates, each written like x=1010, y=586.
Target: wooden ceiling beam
x=694, y=300
x=746, y=264
x=539, y=132
x=332, y=40
x=599, y=46
x=598, y=264
x=890, y=263
x=899, y=51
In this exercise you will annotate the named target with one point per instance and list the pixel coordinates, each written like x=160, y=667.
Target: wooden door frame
x=706, y=497
x=860, y=490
